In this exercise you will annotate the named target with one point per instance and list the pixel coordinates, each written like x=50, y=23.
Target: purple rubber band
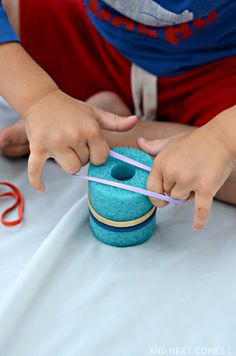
x=129, y=161
x=132, y=189
x=129, y=187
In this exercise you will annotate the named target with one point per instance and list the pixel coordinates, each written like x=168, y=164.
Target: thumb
x=113, y=122
x=153, y=147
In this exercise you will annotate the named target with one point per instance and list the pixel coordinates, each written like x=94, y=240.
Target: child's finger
x=82, y=151
x=155, y=184
x=179, y=192
x=35, y=166
x=202, y=209
x=67, y=160
x=16, y=150
x=168, y=185
x=113, y=122
x=98, y=149
x=188, y=201
x=152, y=147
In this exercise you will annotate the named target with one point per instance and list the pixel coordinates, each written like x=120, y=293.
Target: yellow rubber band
x=120, y=223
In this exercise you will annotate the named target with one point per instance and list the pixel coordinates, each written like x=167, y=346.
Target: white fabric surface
x=64, y=293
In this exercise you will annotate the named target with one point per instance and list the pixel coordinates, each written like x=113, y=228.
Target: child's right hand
x=68, y=130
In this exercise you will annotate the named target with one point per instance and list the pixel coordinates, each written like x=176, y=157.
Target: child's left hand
x=198, y=162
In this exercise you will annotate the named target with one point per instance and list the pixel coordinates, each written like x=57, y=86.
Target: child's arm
x=22, y=81
x=57, y=125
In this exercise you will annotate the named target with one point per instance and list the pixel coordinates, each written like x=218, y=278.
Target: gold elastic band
x=120, y=223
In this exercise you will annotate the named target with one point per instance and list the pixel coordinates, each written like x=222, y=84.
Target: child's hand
x=198, y=162
x=68, y=130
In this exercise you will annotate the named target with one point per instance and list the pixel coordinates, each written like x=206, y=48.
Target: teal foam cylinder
x=121, y=205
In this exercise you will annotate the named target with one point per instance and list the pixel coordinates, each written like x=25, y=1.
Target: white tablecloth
x=64, y=293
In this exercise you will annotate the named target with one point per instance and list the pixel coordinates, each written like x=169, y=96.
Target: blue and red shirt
x=167, y=37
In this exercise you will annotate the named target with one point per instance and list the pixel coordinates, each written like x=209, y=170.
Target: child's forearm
x=158, y=130
x=22, y=81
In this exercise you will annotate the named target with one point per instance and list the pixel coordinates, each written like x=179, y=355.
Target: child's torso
x=167, y=37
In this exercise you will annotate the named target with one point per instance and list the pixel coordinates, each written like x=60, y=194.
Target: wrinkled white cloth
x=64, y=293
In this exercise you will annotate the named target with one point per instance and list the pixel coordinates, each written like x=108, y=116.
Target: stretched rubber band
x=131, y=188
x=19, y=202
x=128, y=160
x=121, y=224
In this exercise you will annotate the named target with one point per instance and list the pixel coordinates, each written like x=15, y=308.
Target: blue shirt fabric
x=167, y=37
x=7, y=34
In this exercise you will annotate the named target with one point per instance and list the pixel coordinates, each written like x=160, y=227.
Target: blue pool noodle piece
x=121, y=205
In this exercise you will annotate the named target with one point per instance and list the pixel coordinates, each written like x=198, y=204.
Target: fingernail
x=197, y=229
x=141, y=139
